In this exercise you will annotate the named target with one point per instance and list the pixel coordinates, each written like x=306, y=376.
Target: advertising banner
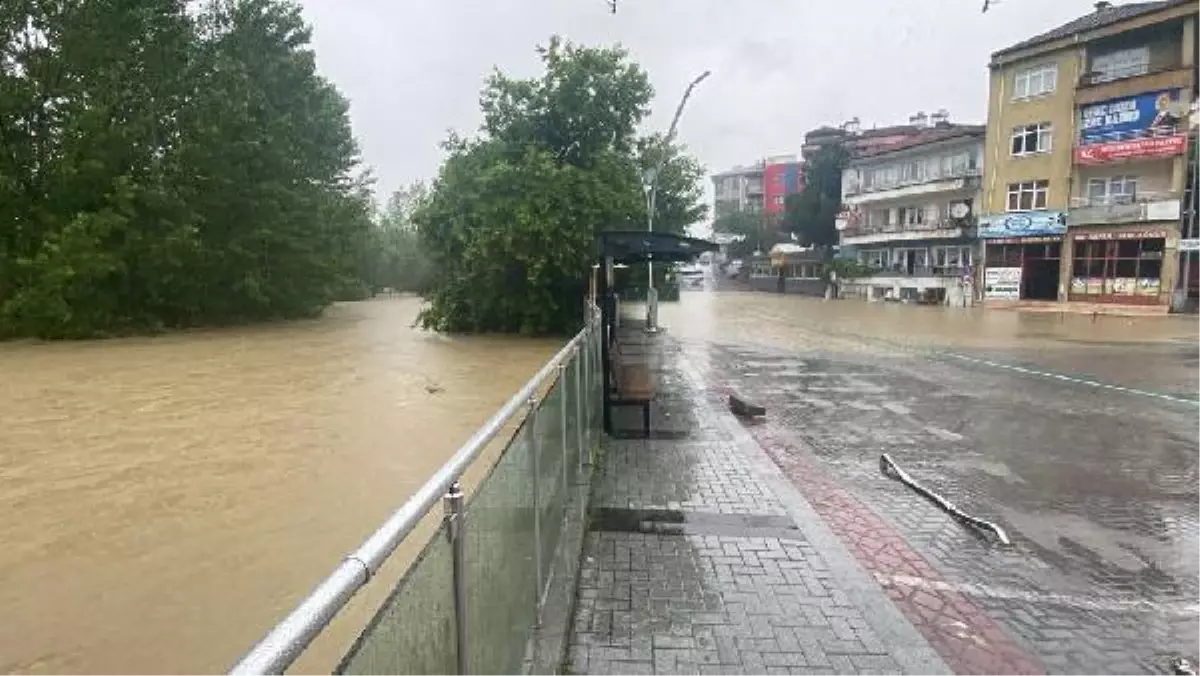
x=1002, y=283
x=1022, y=224
x=1150, y=146
x=1128, y=116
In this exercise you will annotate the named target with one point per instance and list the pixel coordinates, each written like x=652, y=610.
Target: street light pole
x=650, y=184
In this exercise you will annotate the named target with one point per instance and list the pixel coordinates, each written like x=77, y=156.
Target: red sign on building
x=1151, y=146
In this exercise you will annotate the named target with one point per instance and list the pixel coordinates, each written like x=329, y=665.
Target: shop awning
x=639, y=246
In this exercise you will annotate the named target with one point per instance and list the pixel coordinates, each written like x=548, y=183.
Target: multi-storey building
x=1085, y=160
x=738, y=189
x=782, y=176
x=909, y=213
x=759, y=188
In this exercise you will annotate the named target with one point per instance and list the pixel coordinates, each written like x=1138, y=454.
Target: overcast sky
x=412, y=69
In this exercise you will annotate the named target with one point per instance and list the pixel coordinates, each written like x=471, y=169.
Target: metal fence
x=470, y=601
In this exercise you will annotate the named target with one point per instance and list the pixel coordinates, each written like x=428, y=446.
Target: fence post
x=583, y=453
x=562, y=415
x=531, y=430
x=455, y=522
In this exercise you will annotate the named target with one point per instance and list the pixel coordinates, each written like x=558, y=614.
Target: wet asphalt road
x=1080, y=441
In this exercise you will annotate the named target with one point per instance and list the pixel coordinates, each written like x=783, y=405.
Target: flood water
x=165, y=500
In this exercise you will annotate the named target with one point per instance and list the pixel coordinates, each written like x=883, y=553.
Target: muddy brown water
x=164, y=501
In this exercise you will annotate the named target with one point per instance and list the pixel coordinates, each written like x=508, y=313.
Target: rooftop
x=1105, y=15
x=941, y=132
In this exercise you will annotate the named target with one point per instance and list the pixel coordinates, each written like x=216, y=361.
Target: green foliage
x=752, y=227
x=390, y=256
x=164, y=165
x=811, y=213
x=848, y=268
x=510, y=223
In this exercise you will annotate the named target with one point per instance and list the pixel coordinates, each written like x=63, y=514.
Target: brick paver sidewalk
x=703, y=558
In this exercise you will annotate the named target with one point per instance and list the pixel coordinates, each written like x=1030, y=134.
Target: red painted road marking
x=967, y=639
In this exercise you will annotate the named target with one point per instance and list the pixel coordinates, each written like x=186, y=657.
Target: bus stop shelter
x=628, y=247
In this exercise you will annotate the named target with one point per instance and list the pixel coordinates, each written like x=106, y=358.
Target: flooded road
x=1077, y=437
x=164, y=501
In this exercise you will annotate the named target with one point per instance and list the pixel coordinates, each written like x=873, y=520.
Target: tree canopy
x=164, y=164
x=511, y=219
x=811, y=213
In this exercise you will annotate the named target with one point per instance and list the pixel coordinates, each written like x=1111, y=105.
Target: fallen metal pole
x=891, y=469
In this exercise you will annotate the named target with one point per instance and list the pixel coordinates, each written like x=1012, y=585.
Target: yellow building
x=1085, y=158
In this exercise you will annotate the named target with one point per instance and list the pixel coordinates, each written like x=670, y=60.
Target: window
x=1027, y=196
x=1112, y=190
x=1035, y=81
x=1121, y=267
x=1032, y=138
x=911, y=215
x=950, y=258
x=778, y=200
x=1120, y=64
x=876, y=258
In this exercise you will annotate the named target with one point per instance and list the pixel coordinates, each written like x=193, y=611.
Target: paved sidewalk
x=703, y=558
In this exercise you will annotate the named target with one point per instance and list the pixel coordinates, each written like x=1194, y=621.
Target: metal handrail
x=288, y=640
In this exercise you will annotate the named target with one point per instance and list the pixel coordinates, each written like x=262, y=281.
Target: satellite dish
x=959, y=210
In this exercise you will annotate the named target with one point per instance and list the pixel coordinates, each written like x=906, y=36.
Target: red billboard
x=1151, y=146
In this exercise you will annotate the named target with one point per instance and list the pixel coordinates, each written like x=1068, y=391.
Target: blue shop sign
x=1023, y=224
x=1148, y=113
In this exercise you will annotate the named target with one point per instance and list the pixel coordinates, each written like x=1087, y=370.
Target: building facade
x=759, y=188
x=909, y=213
x=1086, y=158
x=738, y=189
x=782, y=176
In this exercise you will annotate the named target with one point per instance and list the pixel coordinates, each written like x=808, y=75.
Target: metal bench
x=635, y=386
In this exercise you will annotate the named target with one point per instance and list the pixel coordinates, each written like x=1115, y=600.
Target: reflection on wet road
x=1097, y=487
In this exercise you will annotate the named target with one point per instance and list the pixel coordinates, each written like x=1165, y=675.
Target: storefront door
x=1038, y=259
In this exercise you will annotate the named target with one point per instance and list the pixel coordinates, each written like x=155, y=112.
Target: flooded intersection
x=1078, y=438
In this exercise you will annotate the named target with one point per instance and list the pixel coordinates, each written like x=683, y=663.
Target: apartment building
x=759, y=188
x=1085, y=158
x=738, y=189
x=909, y=212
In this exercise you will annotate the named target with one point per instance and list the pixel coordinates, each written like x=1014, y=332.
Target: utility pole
x=1191, y=205
x=650, y=185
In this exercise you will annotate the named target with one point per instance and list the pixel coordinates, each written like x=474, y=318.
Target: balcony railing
x=944, y=224
x=860, y=187
x=1154, y=66
x=1113, y=200
x=922, y=271
x=1110, y=209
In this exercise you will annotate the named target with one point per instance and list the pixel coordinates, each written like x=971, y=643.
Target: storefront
x=1120, y=266
x=1023, y=254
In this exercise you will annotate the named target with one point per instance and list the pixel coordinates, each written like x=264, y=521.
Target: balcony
x=949, y=228
x=1155, y=66
x=853, y=188
x=1121, y=209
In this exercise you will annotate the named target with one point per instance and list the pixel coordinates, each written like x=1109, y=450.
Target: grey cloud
x=413, y=68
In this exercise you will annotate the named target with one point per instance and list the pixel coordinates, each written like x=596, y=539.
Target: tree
x=752, y=228
x=395, y=256
x=511, y=220
x=811, y=213
x=164, y=165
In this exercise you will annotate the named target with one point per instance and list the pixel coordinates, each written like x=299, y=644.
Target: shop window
x=1129, y=269
x=1028, y=196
